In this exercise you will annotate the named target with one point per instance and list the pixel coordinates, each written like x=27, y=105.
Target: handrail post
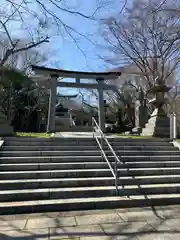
x=116, y=177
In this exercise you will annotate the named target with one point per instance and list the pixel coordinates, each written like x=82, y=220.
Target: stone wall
x=5, y=128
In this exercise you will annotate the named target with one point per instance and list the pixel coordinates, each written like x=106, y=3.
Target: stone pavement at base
x=119, y=224
x=83, y=135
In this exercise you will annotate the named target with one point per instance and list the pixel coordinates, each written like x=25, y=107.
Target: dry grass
x=36, y=135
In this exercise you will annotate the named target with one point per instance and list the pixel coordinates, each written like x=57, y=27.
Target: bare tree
x=146, y=37
x=23, y=60
x=36, y=21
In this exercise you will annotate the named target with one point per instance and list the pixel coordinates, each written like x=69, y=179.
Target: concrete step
x=136, y=153
x=84, y=192
x=85, y=165
x=50, y=148
x=141, y=140
x=54, y=173
x=74, y=159
x=66, y=141
x=150, y=179
x=84, y=143
x=111, y=137
x=151, y=164
x=48, y=153
x=56, y=166
x=87, y=203
x=154, y=158
x=51, y=143
x=53, y=159
x=55, y=183
x=85, y=148
x=86, y=182
x=86, y=153
x=56, y=193
x=51, y=139
x=71, y=173
x=139, y=143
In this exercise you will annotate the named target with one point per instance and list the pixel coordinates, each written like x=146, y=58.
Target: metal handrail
x=102, y=134
x=104, y=155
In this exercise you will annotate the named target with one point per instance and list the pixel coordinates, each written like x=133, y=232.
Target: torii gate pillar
x=52, y=105
x=101, y=112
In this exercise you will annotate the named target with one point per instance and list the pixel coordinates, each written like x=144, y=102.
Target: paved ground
x=120, y=224
x=74, y=134
x=83, y=135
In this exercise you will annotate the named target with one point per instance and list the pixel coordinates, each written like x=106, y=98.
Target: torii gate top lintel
x=75, y=74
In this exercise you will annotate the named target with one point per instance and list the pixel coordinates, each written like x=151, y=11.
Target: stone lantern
x=159, y=123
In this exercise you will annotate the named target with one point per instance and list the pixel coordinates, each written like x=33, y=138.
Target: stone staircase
x=64, y=174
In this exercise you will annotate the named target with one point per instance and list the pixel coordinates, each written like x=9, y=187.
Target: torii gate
x=53, y=75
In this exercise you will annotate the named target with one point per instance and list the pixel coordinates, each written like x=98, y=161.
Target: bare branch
x=14, y=50
x=145, y=35
x=40, y=18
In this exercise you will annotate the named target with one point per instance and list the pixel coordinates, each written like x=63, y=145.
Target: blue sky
x=65, y=53
x=62, y=51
